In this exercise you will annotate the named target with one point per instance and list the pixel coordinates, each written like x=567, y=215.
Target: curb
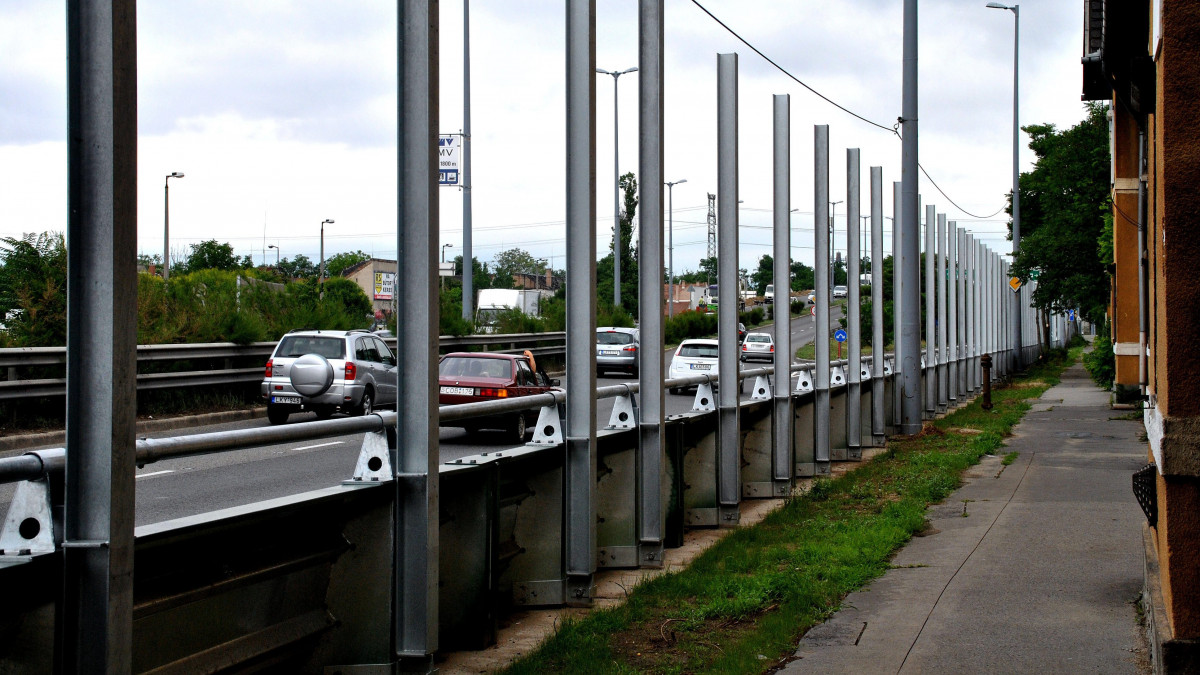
x=34, y=440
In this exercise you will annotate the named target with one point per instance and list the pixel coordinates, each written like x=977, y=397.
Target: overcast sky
x=282, y=114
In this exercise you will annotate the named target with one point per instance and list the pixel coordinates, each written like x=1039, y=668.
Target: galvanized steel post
x=897, y=306
x=415, y=600
x=910, y=345
x=969, y=296
x=821, y=440
x=729, y=462
x=878, y=349
x=652, y=513
x=931, y=355
x=580, y=478
x=977, y=314
x=952, y=316
x=783, y=457
x=95, y=630
x=853, y=306
x=962, y=253
x=943, y=352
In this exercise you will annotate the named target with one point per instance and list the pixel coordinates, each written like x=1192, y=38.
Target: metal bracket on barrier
x=804, y=381
x=889, y=365
x=28, y=528
x=864, y=373
x=623, y=415
x=922, y=363
x=704, y=398
x=549, y=429
x=762, y=389
x=374, y=461
x=837, y=376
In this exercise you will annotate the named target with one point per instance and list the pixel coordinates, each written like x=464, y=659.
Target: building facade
x=377, y=278
x=1142, y=56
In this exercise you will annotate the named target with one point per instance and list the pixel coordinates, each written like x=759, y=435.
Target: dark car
x=467, y=377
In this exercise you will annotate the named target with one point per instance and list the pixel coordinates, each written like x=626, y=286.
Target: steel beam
x=821, y=439
x=910, y=357
x=943, y=352
x=878, y=418
x=952, y=400
x=897, y=305
x=931, y=355
x=415, y=608
x=580, y=535
x=783, y=457
x=652, y=513
x=96, y=626
x=962, y=310
x=729, y=484
x=853, y=304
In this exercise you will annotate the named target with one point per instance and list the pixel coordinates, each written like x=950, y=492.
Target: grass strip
x=742, y=606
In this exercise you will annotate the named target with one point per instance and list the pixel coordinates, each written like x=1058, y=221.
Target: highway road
x=183, y=487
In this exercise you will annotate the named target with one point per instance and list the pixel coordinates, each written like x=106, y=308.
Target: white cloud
x=282, y=113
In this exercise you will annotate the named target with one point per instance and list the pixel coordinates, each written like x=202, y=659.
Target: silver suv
x=329, y=370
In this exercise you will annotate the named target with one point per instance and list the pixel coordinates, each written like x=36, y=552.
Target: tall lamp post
x=167, y=222
x=671, y=245
x=1015, y=322
x=832, y=244
x=321, y=274
x=616, y=188
x=276, y=255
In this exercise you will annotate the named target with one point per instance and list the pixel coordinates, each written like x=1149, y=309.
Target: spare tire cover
x=311, y=374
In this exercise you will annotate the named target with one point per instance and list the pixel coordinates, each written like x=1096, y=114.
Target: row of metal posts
x=98, y=543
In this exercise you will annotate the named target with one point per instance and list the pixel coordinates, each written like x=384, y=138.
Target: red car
x=467, y=377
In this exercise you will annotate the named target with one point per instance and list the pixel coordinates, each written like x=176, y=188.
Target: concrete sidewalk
x=1029, y=568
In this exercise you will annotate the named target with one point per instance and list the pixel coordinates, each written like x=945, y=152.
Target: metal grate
x=1145, y=489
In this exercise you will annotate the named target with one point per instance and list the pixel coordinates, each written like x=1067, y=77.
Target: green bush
x=690, y=324
x=1100, y=362
x=752, y=317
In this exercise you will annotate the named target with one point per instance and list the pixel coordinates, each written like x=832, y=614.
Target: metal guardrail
x=36, y=464
x=14, y=388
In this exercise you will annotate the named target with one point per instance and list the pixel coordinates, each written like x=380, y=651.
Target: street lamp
x=671, y=245
x=1015, y=326
x=832, y=242
x=321, y=274
x=616, y=189
x=276, y=254
x=167, y=222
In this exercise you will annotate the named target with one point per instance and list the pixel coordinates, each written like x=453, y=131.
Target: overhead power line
x=892, y=129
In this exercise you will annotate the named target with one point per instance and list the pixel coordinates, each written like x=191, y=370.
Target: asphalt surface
x=182, y=487
x=1029, y=568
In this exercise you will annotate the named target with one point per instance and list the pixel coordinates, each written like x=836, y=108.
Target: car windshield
x=613, y=338
x=758, y=338
x=470, y=366
x=292, y=346
x=701, y=351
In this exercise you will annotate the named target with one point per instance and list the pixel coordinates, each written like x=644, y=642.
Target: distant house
x=377, y=278
x=537, y=282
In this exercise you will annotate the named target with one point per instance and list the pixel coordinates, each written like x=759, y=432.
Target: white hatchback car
x=693, y=357
x=758, y=347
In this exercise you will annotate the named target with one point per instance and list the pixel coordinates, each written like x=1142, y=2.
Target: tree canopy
x=211, y=255
x=340, y=262
x=629, y=265
x=1064, y=202
x=33, y=289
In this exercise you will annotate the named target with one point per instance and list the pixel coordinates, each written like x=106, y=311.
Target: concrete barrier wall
x=306, y=581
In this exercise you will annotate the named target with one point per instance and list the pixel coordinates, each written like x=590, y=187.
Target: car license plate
x=459, y=391
x=286, y=399
x=700, y=366
x=609, y=352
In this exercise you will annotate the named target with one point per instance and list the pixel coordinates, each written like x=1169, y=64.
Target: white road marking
x=154, y=473
x=318, y=445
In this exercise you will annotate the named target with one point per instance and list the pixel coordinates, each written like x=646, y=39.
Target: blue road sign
x=1070, y=315
x=839, y=335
